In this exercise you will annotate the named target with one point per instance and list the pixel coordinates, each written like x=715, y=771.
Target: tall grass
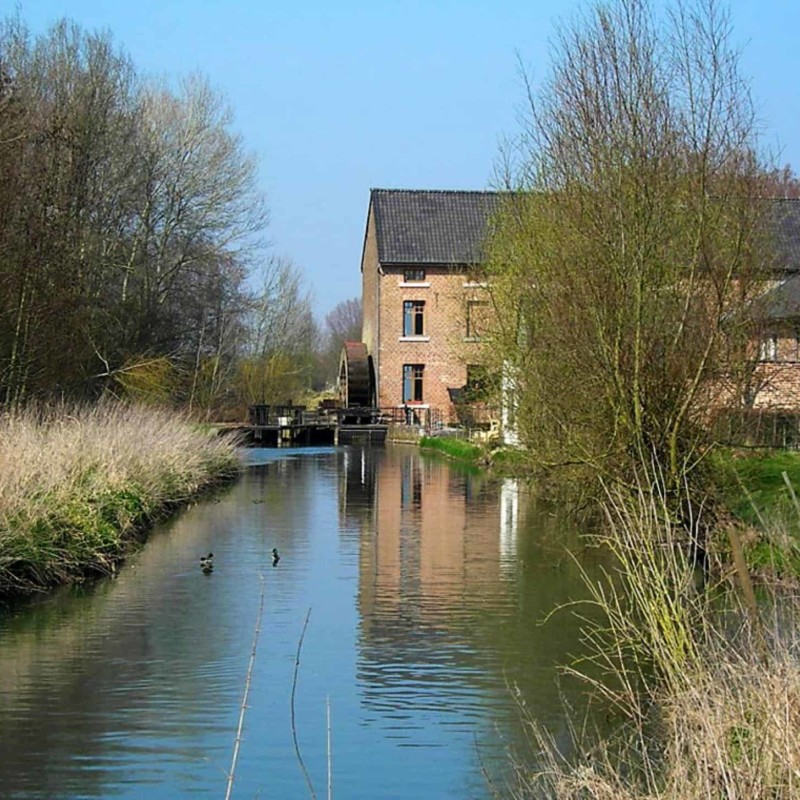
x=77, y=485
x=705, y=687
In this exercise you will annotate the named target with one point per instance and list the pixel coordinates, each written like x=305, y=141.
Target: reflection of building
x=450, y=597
x=433, y=537
x=509, y=521
x=357, y=484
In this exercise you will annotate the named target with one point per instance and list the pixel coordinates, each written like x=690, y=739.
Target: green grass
x=754, y=491
x=79, y=486
x=503, y=461
x=455, y=448
x=753, y=483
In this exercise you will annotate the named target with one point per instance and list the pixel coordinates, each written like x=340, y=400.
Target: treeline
x=132, y=250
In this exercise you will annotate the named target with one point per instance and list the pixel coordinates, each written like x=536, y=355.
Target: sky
x=335, y=97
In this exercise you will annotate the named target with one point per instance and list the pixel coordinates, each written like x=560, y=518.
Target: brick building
x=423, y=312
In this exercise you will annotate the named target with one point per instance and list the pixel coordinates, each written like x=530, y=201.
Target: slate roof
x=780, y=303
x=432, y=227
x=784, y=222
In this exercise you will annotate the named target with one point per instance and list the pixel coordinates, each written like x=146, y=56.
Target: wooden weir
x=292, y=426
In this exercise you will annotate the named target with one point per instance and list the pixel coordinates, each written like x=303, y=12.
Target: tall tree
x=130, y=219
x=631, y=238
x=279, y=358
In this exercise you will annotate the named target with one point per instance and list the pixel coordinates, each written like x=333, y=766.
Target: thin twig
x=294, y=727
x=791, y=493
x=330, y=781
x=238, y=742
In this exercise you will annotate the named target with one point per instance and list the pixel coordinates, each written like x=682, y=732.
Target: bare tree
x=342, y=324
x=280, y=352
x=344, y=321
x=618, y=269
x=130, y=220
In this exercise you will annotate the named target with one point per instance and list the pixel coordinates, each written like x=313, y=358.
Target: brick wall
x=778, y=386
x=444, y=349
x=778, y=374
x=369, y=291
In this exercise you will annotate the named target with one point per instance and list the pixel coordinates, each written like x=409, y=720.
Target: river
x=428, y=586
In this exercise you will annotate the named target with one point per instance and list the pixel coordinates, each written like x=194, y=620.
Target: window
x=476, y=318
x=413, y=318
x=412, y=383
x=768, y=350
x=413, y=275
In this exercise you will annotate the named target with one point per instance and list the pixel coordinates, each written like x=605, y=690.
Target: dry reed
x=77, y=485
x=708, y=696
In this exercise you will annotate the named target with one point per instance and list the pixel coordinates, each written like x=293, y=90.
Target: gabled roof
x=423, y=226
x=432, y=227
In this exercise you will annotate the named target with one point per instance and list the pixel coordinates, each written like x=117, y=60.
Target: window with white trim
x=412, y=383
x=768, y=349
x=413, y=318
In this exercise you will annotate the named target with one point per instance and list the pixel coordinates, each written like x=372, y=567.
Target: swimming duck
x=275, y=557
x=207, y=563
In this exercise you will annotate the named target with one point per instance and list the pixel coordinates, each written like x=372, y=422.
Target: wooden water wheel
x=355, y=385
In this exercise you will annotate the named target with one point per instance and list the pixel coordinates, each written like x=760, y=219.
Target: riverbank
x=502, y=461
x=759, y=489
x=78, y=487
x=704, y=685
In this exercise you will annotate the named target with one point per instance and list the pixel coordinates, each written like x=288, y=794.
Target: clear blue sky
x=337, y=97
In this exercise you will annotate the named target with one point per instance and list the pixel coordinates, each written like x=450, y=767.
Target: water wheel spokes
x=354, y=376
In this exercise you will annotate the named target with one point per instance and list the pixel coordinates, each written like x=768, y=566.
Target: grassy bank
x=77, y=487
x=503, y=461
x=754, y=483
x=705, y=687
x=759, y=489
x=454, y=448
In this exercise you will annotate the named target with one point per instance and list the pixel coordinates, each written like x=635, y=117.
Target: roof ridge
x=438, y=191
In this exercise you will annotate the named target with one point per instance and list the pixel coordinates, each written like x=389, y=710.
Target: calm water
x=427, y=588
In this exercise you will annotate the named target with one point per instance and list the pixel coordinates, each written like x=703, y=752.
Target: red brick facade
x=423, y=313
x=776, y=384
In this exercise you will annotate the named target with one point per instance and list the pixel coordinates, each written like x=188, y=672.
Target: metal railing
x=427, y=419
x=757, y=428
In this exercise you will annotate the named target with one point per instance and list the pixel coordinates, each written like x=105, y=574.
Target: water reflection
x=427, y=585
x=451, y=599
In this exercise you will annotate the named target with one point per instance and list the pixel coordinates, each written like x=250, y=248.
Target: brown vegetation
x=78, y=485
